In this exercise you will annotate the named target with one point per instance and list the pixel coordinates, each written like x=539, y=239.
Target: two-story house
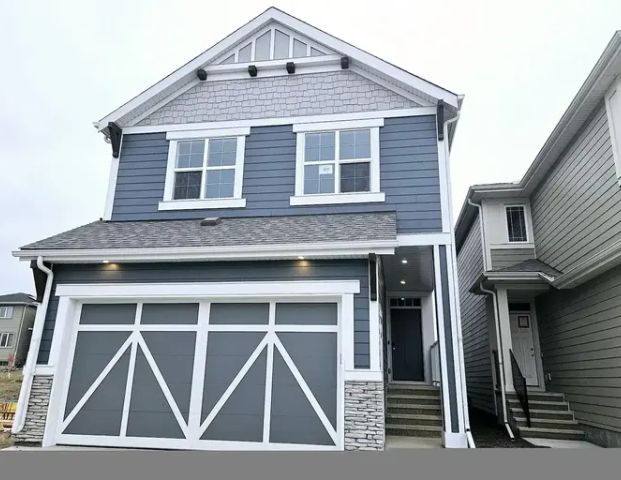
x=275, y=268
x=540, y=282
x=17, y=313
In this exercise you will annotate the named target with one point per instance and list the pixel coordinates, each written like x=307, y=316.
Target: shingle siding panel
x=408, y=169
x=474, y=320
x=220, y=272
x=286, y=96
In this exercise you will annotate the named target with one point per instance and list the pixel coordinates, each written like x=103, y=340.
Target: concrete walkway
x=551, y=443
x=404, y=443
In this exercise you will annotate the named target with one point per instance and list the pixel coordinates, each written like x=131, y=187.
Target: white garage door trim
x=73, y=296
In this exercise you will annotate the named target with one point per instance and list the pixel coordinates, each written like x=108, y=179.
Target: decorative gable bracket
x=115, y=138
x=440, y=119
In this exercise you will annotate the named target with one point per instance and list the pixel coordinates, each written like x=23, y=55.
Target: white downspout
x=33, y=351
x=501, y=362
x=460, y=346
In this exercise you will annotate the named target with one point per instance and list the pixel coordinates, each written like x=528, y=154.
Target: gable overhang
x=360, y=62
x=590, y=95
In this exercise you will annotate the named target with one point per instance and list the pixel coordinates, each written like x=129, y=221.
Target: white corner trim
x=273, y=121
x=323, y=288
x=202, y=204
x=337, y=198
x=207, y=133
x=112, y=177
x=337, y=125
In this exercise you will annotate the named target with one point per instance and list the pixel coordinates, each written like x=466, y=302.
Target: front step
x=553, y=433
x=413, y=410
x=547, y=423
x=540, y=405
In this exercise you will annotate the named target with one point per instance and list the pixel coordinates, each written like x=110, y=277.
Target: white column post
x=505, y=335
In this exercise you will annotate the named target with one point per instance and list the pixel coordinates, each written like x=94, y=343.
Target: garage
x=233, y=373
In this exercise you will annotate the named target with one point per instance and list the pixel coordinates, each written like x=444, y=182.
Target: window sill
x=337, y=198
x=202, y=204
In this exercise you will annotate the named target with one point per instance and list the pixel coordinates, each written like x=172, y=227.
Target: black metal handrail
x=496, y=369
x=519, y=384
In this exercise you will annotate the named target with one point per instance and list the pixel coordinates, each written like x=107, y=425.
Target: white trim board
x=377, y=115
x=359, y=57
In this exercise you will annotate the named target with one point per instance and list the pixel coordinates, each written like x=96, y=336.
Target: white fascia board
x=273, y=14
x=241, y=252
x=272, y=121
x=215, y=289
x=317, y=126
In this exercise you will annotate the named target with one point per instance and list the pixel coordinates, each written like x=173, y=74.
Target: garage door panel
x=93, y=351
x=173, y=353
x=169, y=313
x=150, y=414
x=314, y=356
x=239, y=313
x=293, y=419
x=227, y=352
x=102, y=412
x=306, y=313
x=108, y=314
x=241, y=417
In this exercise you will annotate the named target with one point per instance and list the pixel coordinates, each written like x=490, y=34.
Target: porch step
x=419, y=391
x=555, y=433
x=540, y=396
x=556, y=424
x=407, y=409
x=412, y=399
x=413, y=419
x=550, y=414
x=414, y=430
x=540, y=405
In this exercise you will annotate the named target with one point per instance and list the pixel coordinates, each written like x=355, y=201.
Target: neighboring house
x=17, y=313
x=277, y=251
x=540, y=281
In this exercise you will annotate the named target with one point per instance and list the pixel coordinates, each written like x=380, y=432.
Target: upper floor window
x=516, y=223
x=6, y=340
x=339, y=165
x=6, y=312
x=613, y=111
x=204, y=172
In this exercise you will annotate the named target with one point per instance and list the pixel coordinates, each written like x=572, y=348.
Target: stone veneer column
x=37, y=410
x=364, y=415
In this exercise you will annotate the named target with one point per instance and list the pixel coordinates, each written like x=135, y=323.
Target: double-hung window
x=205, y=170
x=337, y=162
x=6, y=340
x=6, y=312
x=516, y=224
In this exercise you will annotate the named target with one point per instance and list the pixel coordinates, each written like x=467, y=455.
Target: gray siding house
x=275, y=269
x=17, y=313
x=540, y=281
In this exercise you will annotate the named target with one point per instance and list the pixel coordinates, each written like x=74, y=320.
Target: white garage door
x=234, y=375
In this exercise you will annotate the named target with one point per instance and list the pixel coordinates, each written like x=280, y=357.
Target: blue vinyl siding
x=221, y=272
x=408, y=170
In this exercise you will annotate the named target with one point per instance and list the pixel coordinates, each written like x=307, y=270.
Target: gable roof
x=185, y=77
x=16, y=299
x=589, y=96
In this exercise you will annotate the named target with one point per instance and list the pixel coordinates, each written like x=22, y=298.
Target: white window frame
x=373, y=195
x=6, y=311
x=6, y=339
x=169, y=203
x=526, y=229
x=613, y=111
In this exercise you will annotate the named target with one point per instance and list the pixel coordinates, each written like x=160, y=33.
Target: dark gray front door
x=406, y=339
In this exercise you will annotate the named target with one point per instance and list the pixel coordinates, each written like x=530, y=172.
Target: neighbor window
x=6, y=340
x=204, y=173
x=516, y=224
x=6, y=312
x=340, y=161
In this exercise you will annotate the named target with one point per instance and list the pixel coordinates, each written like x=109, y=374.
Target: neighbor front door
x=523, y=346
x=406, y=345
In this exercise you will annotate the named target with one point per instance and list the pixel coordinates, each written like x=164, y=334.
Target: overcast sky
x=67, y=63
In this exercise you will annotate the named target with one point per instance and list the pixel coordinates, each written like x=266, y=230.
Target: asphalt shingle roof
x=16, y=298
x=532, y=265
x=228, y=232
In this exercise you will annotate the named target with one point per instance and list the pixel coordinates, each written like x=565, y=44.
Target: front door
x=523, y=346
x=406, y=340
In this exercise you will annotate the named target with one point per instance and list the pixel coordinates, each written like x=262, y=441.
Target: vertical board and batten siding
x=577, y=209
x=408, y=170
x=507, y=257
x=262, y=271
x=475, y=331
x=580, y=335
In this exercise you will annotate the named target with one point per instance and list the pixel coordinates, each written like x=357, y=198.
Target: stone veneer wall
x=37, y=410
x=364, y=416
